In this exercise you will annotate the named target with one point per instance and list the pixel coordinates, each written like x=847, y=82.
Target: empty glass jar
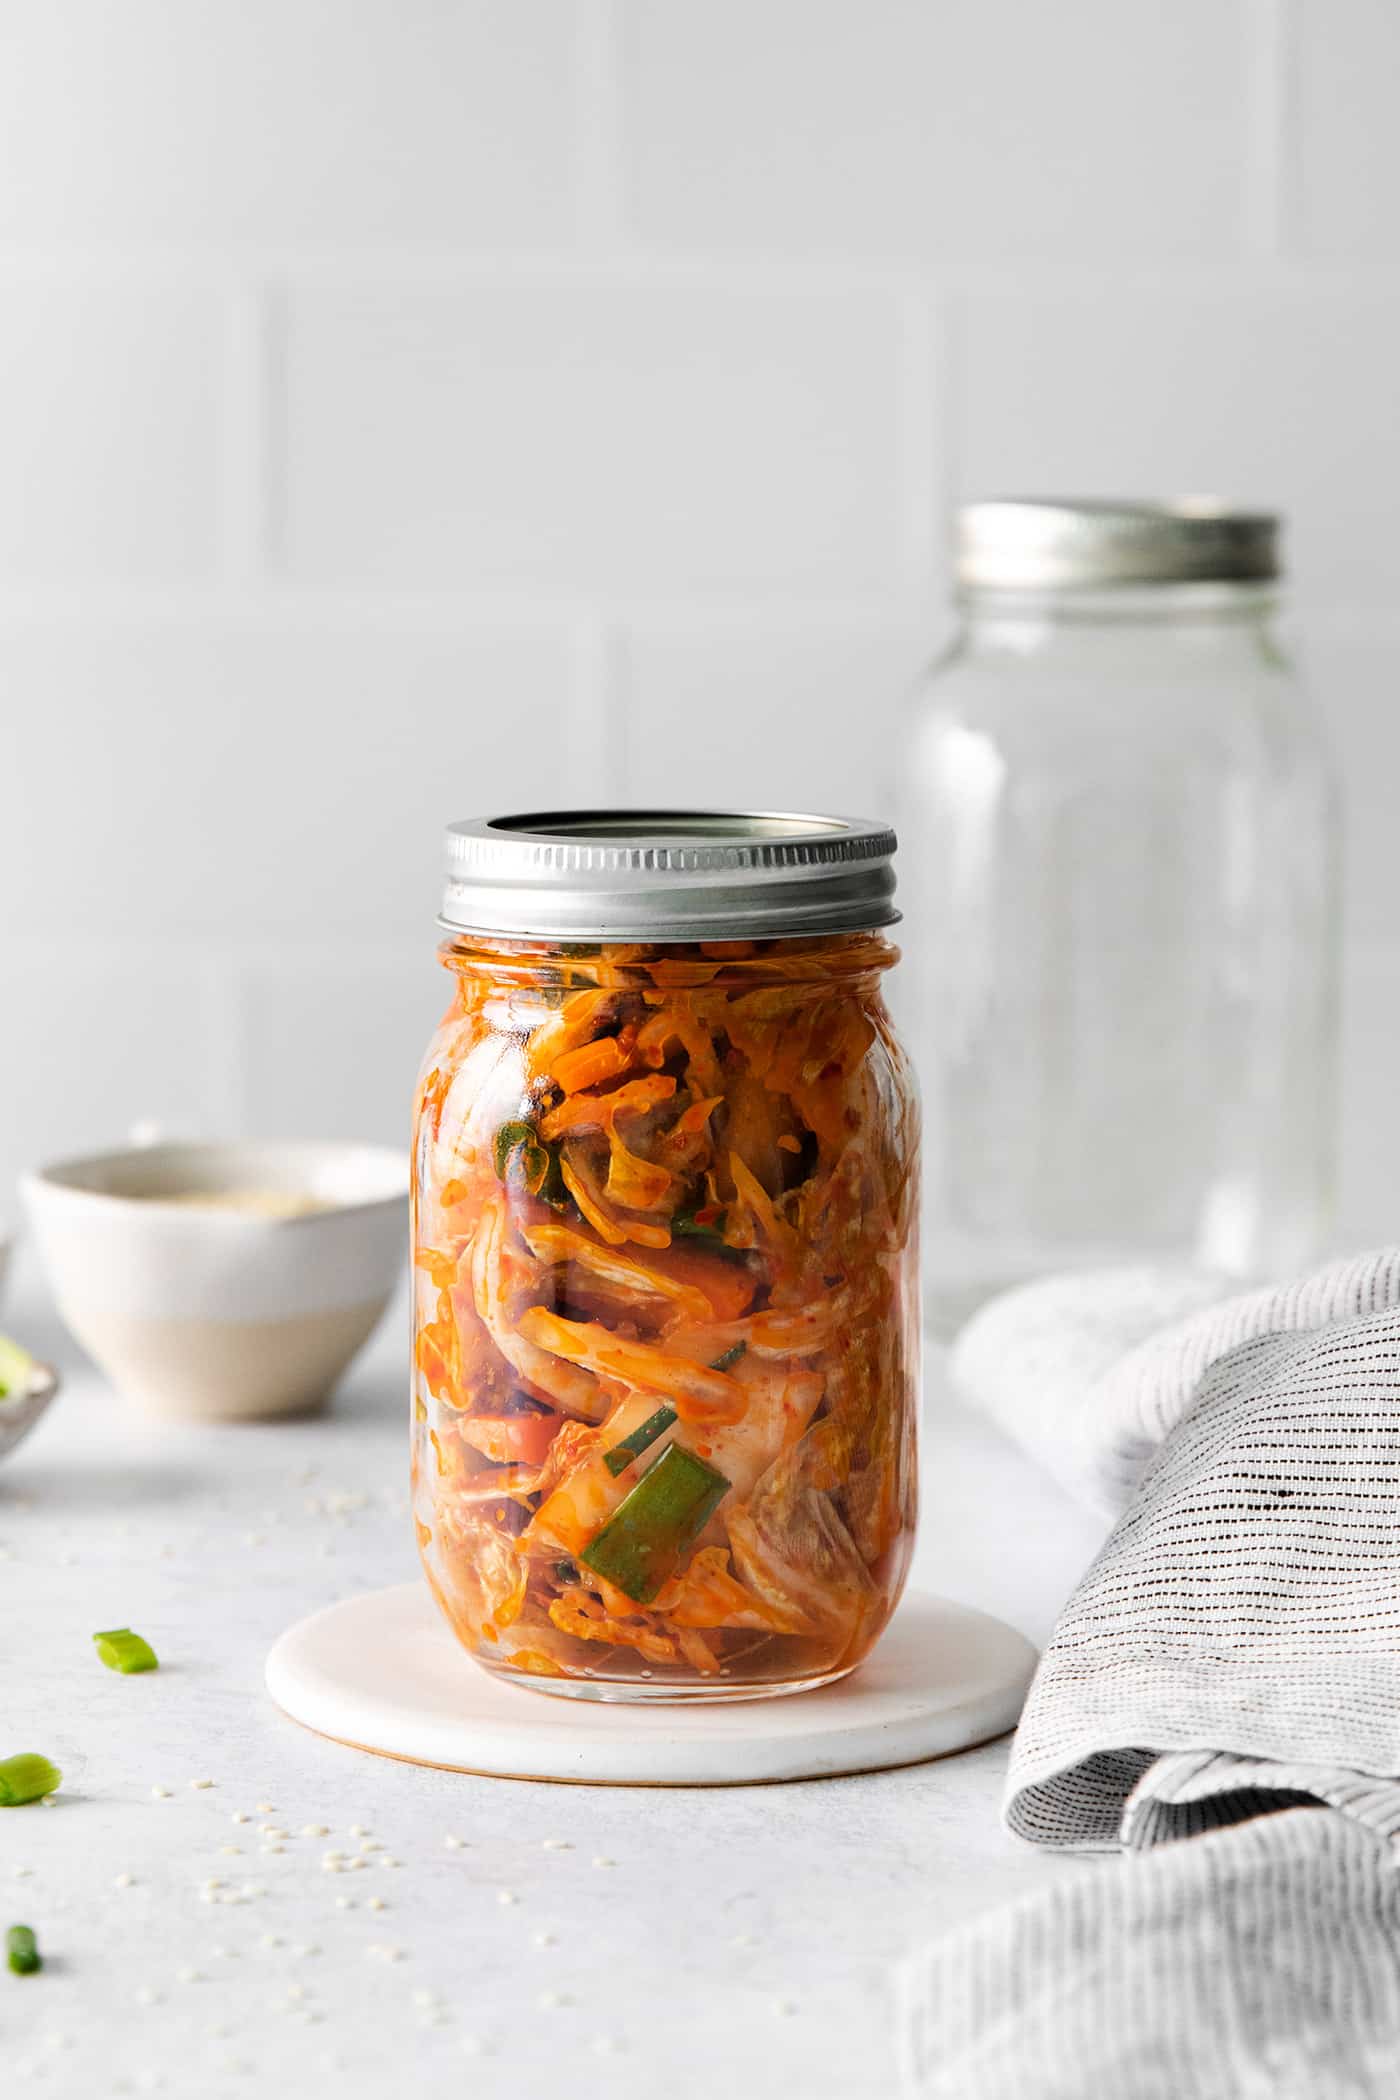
x=666, y=1309
x=1117, y=834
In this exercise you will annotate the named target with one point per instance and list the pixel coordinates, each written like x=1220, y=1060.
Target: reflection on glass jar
x=666, y=1314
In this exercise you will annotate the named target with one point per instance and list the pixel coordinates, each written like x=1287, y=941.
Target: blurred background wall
x=415, y=407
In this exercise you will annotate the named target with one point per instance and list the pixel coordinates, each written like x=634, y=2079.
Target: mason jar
x=1118, y=838
x=666, y=1319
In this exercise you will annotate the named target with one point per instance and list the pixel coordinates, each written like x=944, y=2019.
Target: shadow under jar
x=666, y=1317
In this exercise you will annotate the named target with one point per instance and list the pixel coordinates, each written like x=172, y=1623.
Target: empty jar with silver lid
x=666, y=1319
x=1117, y=825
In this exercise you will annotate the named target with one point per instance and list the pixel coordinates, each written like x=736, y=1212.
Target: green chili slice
x=622, y=1454
x=27, y=1777
x=648, y=1532
x=123, y=1650
x=22, y=1950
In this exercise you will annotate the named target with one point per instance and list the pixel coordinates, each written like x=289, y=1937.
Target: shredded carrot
x=666, y=1222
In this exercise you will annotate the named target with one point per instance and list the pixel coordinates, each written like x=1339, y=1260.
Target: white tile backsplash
x=95, y=1038
x=1005, y=130
x=111, y=409
x=274, y=123
x=585, y=437
x=419, y=408
x=1348, y=140
x=793, y=719
x=229, y=782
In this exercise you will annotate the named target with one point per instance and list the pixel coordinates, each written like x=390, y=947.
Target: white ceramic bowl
x=216, y=1314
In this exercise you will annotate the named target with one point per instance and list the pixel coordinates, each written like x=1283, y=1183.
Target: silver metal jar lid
x=1044, y=543
x=667, y=875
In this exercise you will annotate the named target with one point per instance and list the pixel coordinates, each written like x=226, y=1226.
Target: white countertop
x=733, y=1938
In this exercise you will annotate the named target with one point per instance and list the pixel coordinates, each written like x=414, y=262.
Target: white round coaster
x=383, y=1672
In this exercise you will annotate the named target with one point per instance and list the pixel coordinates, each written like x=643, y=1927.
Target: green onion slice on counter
x=123, y=1650
x=22, y=1950
x=648, y=1532
x=27, y=1777
x=622, y=1454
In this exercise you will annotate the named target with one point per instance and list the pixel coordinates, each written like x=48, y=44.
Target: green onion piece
x=23, y=1951
x=565, y=1571
x=27, y=1777
x=16, y=1368
x=729, y=1358
x=648, y=1532
x=621, y=1456
x=518, y=1155
x=123, y=1650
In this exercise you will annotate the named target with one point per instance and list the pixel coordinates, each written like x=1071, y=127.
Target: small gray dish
x=20, y=1411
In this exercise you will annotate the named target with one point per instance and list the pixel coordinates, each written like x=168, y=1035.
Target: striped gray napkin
x=1228, y=1671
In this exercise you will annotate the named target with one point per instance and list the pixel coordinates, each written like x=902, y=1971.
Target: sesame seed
x=146, y=1996
x=315, y=1830
x=506, y=1896
x=603, y=1861
x=744, y=1939
x=345, y=1903
x=213, y=1882
x=271, y=1830
x=425, y=1997
x=160, y=1793
x=271, y=1848
x=199, y=1785
x=359, y=1830
x=550, y=1999
x=270, y=1939
x=265, y=1808
x=124, y=1881
x=370, y=1844
x=386, y=1861
x=296, y=1991
x=310, y=1948
x=240, y=1816
x=555, y=1845
x=231, y=1851
x=545, y=1939
x=377, y=1903
x=605, y=2045
x=454, y=1844
x=189, y=1975
x=23, y=1873
x=785, y=2006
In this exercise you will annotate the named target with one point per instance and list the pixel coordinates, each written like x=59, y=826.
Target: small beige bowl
x=219, y=1314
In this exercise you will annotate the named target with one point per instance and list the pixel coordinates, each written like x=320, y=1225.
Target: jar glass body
x=1118, y=837
x=666, y=1325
